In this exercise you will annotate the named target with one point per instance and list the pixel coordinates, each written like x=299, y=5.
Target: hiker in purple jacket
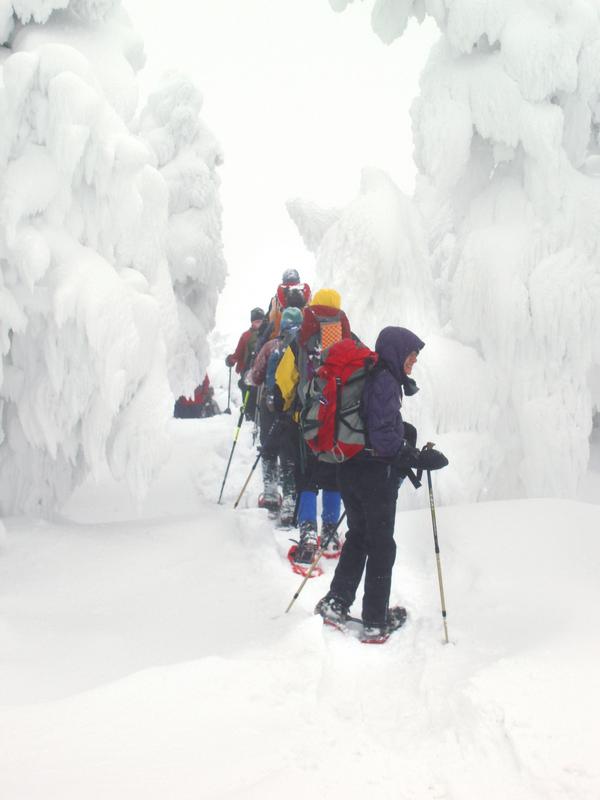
x=369, y=485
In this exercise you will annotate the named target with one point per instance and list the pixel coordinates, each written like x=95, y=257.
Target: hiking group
x=328, y=413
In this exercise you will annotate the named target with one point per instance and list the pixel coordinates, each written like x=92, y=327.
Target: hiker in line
x=369, y=483
x=243, y=357
x=278, y=431
x=291, y=293
x=324, y=324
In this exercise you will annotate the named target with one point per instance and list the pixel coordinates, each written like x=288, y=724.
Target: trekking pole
x=316, y=560
x=437, y=556
x=228, y=409
x=258, y=457
x=235, y=438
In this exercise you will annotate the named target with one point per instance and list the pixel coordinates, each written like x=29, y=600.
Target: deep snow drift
x=148, y=655
x=495, y=261
x=110, y=251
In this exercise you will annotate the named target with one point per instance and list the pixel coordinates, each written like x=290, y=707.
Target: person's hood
x=394, y=345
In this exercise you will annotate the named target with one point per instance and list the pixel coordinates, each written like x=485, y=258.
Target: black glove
x=229, y=362
x=410, y=386
x=430, y=460
x=407, y=457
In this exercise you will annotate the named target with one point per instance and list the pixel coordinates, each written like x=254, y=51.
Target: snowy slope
x=145, y=654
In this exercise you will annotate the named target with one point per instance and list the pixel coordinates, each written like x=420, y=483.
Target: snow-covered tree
x=187, y=157
x=507, y=137
x=90, y=321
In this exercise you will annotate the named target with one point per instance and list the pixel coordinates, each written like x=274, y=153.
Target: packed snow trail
x=148, y=655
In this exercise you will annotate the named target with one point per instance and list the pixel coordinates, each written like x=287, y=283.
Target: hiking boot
x=270, y=473
x=378, y=633
x=333, y=610
x=330, y=540
x=286, y=512
x=308, y=544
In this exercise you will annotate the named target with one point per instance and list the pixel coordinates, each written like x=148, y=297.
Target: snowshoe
x=302, y=554
x=329, y=535
x=333, y=610
x=379, y=634
x=272, y=504
x=303, y=567
x=333, y=617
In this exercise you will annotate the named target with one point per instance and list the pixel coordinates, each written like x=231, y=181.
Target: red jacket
x=239, y=356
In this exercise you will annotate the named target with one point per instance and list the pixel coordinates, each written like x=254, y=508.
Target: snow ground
x=145, y=653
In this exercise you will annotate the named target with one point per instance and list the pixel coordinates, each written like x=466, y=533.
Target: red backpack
x=331, y=421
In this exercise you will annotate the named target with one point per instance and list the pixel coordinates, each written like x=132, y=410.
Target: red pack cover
x=340, y=380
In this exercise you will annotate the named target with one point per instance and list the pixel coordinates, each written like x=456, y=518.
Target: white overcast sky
x=300, y=98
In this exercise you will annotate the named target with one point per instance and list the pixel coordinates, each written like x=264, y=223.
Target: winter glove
x=229, y=362
x=407, y=457
x=431, y=459
x=410, y=386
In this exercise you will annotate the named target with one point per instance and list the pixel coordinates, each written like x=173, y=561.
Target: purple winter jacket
x=382, y=395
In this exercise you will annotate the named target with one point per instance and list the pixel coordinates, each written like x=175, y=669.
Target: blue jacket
x=383, y=392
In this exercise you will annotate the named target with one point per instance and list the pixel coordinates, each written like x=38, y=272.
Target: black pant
x=279, y=448
x=369, y=490
x=315, y=474
x=280, y=440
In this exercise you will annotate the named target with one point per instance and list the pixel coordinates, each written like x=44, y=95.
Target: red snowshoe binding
x=301, y=555
x=331, y=540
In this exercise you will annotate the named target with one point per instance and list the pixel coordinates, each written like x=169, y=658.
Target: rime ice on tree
x=90, y=321
x=188, y=156
x=506, y=132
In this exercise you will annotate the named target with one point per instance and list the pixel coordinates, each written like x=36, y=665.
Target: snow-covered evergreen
x=506, y=133
x=187, y=157
x=99, y=308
